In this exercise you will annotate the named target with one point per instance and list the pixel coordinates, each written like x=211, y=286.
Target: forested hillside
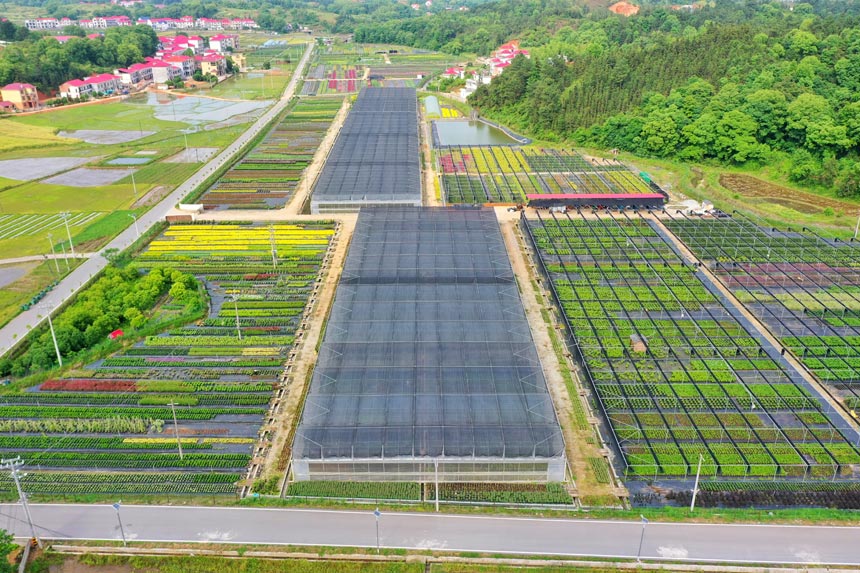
x=744, y=82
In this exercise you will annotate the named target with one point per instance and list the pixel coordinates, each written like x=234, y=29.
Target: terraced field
x=215, y=376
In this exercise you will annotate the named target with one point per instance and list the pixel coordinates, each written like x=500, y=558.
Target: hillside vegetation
x=745, y=83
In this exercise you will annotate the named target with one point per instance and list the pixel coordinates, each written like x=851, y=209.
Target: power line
x=12, y=466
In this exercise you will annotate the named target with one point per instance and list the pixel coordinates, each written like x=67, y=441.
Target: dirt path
x=429, y=186
x=277, y=456
x=303, y=189
x=580, y=445
x=759, y=326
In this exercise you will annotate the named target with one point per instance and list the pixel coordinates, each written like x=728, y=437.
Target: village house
x=22, y=96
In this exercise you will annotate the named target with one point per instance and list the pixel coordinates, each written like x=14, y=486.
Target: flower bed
x=117, y=414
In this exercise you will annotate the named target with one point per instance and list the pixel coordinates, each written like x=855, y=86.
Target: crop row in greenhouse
x=805, y=289
x=676, y=376
x=503, y=174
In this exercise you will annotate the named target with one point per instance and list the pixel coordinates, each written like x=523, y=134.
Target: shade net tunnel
x=374, y=160
x=428, y=370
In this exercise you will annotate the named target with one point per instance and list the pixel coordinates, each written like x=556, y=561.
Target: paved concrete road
x=19, y=326
x=563, y=537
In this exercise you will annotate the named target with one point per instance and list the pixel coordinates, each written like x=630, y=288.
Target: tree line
x=121, y=298
x=45, y=63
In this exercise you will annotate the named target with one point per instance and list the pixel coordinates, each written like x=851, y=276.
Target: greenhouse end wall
x=446, y=470
x=428, y=360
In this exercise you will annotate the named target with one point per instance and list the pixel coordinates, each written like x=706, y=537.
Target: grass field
x=702, y=182
x=113, y=115
x=22, y=290
x=17, y=135
x=34, y=137
x=268, y=84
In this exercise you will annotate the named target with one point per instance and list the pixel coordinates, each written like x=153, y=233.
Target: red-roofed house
x=94, y=36
x=185, y=65
x=240, y=23
x=22, y=96
x=62, y=39
x=224, y=42
x=503, y=57
x=209, y=24
x=212, y=64
x=100, y=84
x=105, y=83
x=42, y=24
x=135, y=74
x=74, y=89
x=195, y=42
x=455, y=72
x=100, y=22
x=163, y=72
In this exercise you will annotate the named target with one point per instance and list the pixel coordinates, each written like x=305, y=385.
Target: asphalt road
x=19, y=326
x=503, y=535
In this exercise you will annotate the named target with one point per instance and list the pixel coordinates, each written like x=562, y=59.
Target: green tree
x=7, y=546
x=735, y=141
x=811, y=123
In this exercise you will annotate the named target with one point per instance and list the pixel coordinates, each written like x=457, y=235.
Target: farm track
x=578, y=450
x=760, y=328
x=33, y=258
x=306, y=351
x=312, y=171
x=430, y=175
x=809, y=203
x=17, y=329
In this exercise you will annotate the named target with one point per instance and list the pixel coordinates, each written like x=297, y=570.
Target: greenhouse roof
x=375, y=157
x=428, y=353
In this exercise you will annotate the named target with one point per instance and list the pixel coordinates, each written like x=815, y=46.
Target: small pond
x=470, y=133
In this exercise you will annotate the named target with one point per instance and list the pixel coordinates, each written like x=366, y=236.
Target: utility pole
x=12, y=466
x=65, y=217
x=133, y=185
x=274, y=250
x=436, y=476
x=857, y=227
x=121, y=528
x=696, y=484
x=641, y=539
x=236, y=308
x=377, y=514
x=56, y=262
x=53, y=335
x=65, y=258
x=136, y=228
x=176, y=430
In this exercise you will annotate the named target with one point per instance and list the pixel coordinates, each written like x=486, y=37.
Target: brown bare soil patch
x=153, y=196
x=750, y=187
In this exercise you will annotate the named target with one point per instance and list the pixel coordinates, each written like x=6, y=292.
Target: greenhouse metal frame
x=703, y=384
x=428, y=371
x=375, y=159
